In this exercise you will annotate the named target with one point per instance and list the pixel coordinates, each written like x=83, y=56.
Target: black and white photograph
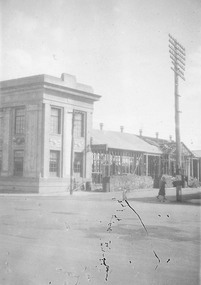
x=100, y=142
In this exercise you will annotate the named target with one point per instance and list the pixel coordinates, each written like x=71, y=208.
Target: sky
x=120, y=48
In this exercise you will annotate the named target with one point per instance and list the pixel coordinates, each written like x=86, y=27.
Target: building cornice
x=46, y=82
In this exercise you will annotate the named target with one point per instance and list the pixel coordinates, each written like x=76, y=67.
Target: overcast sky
x=120, y=48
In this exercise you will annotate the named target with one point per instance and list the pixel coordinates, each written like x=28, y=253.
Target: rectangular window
x=55, y=126
x=54, y=163
x=18, y=162
x=132, y=168
x=1, y=121
x=1, y=158
x=1, y=125
x=78, y=124
x=125, y=164
x=117, y=165
x=19, y=121
x=78, y=159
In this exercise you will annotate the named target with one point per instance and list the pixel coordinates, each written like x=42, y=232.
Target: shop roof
x=197, y=153
x=167, y=146
x=123, y=141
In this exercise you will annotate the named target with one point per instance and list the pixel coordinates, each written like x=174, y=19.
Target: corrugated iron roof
x=167, y=147
x=123, y=141
x=154, y=140
x=197, y=153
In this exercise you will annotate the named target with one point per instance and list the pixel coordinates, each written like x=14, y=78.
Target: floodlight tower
x=177, y=55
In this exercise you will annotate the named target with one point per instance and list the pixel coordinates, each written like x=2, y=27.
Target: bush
x=130, y=182
x=193, y=182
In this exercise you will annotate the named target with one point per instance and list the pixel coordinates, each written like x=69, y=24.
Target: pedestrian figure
x=161, y=192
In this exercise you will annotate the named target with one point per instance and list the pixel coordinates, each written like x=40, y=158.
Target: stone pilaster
x=67, y=141
x=46, y=132
x=31, y=146
x=6, y=138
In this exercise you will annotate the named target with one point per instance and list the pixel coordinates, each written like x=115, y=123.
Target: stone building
x=45, y=131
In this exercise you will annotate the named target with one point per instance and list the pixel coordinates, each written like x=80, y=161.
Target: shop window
x=117, y=165
x=1, y=125
x=125, y=164
x=54, y=166
x=18, y=162
x=19, y=121
x=96, y=166
x=132, y=167
x=55, y=124
x=1, y=121
x=1, y=162
x=78, y=124
x=78, y=160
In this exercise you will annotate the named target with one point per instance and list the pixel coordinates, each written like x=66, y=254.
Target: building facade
x=119, y=153
x=189, y=163
x=45, y=131
x=196, y=165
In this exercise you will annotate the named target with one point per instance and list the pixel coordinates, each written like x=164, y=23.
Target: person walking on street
x=161, y=192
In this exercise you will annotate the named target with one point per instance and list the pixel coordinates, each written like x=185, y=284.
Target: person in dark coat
x=161, y=192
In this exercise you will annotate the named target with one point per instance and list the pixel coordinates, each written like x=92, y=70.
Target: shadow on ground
x=137, y=233
x=187, y=199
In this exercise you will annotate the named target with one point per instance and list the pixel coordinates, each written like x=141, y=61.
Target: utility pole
x=177, y=55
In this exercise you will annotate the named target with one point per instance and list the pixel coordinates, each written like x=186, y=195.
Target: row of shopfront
x=120, y=162
x=108, y=160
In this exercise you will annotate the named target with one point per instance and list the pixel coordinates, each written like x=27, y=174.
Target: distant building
x=168, y=157
x=45, y=131
x=196, y=164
